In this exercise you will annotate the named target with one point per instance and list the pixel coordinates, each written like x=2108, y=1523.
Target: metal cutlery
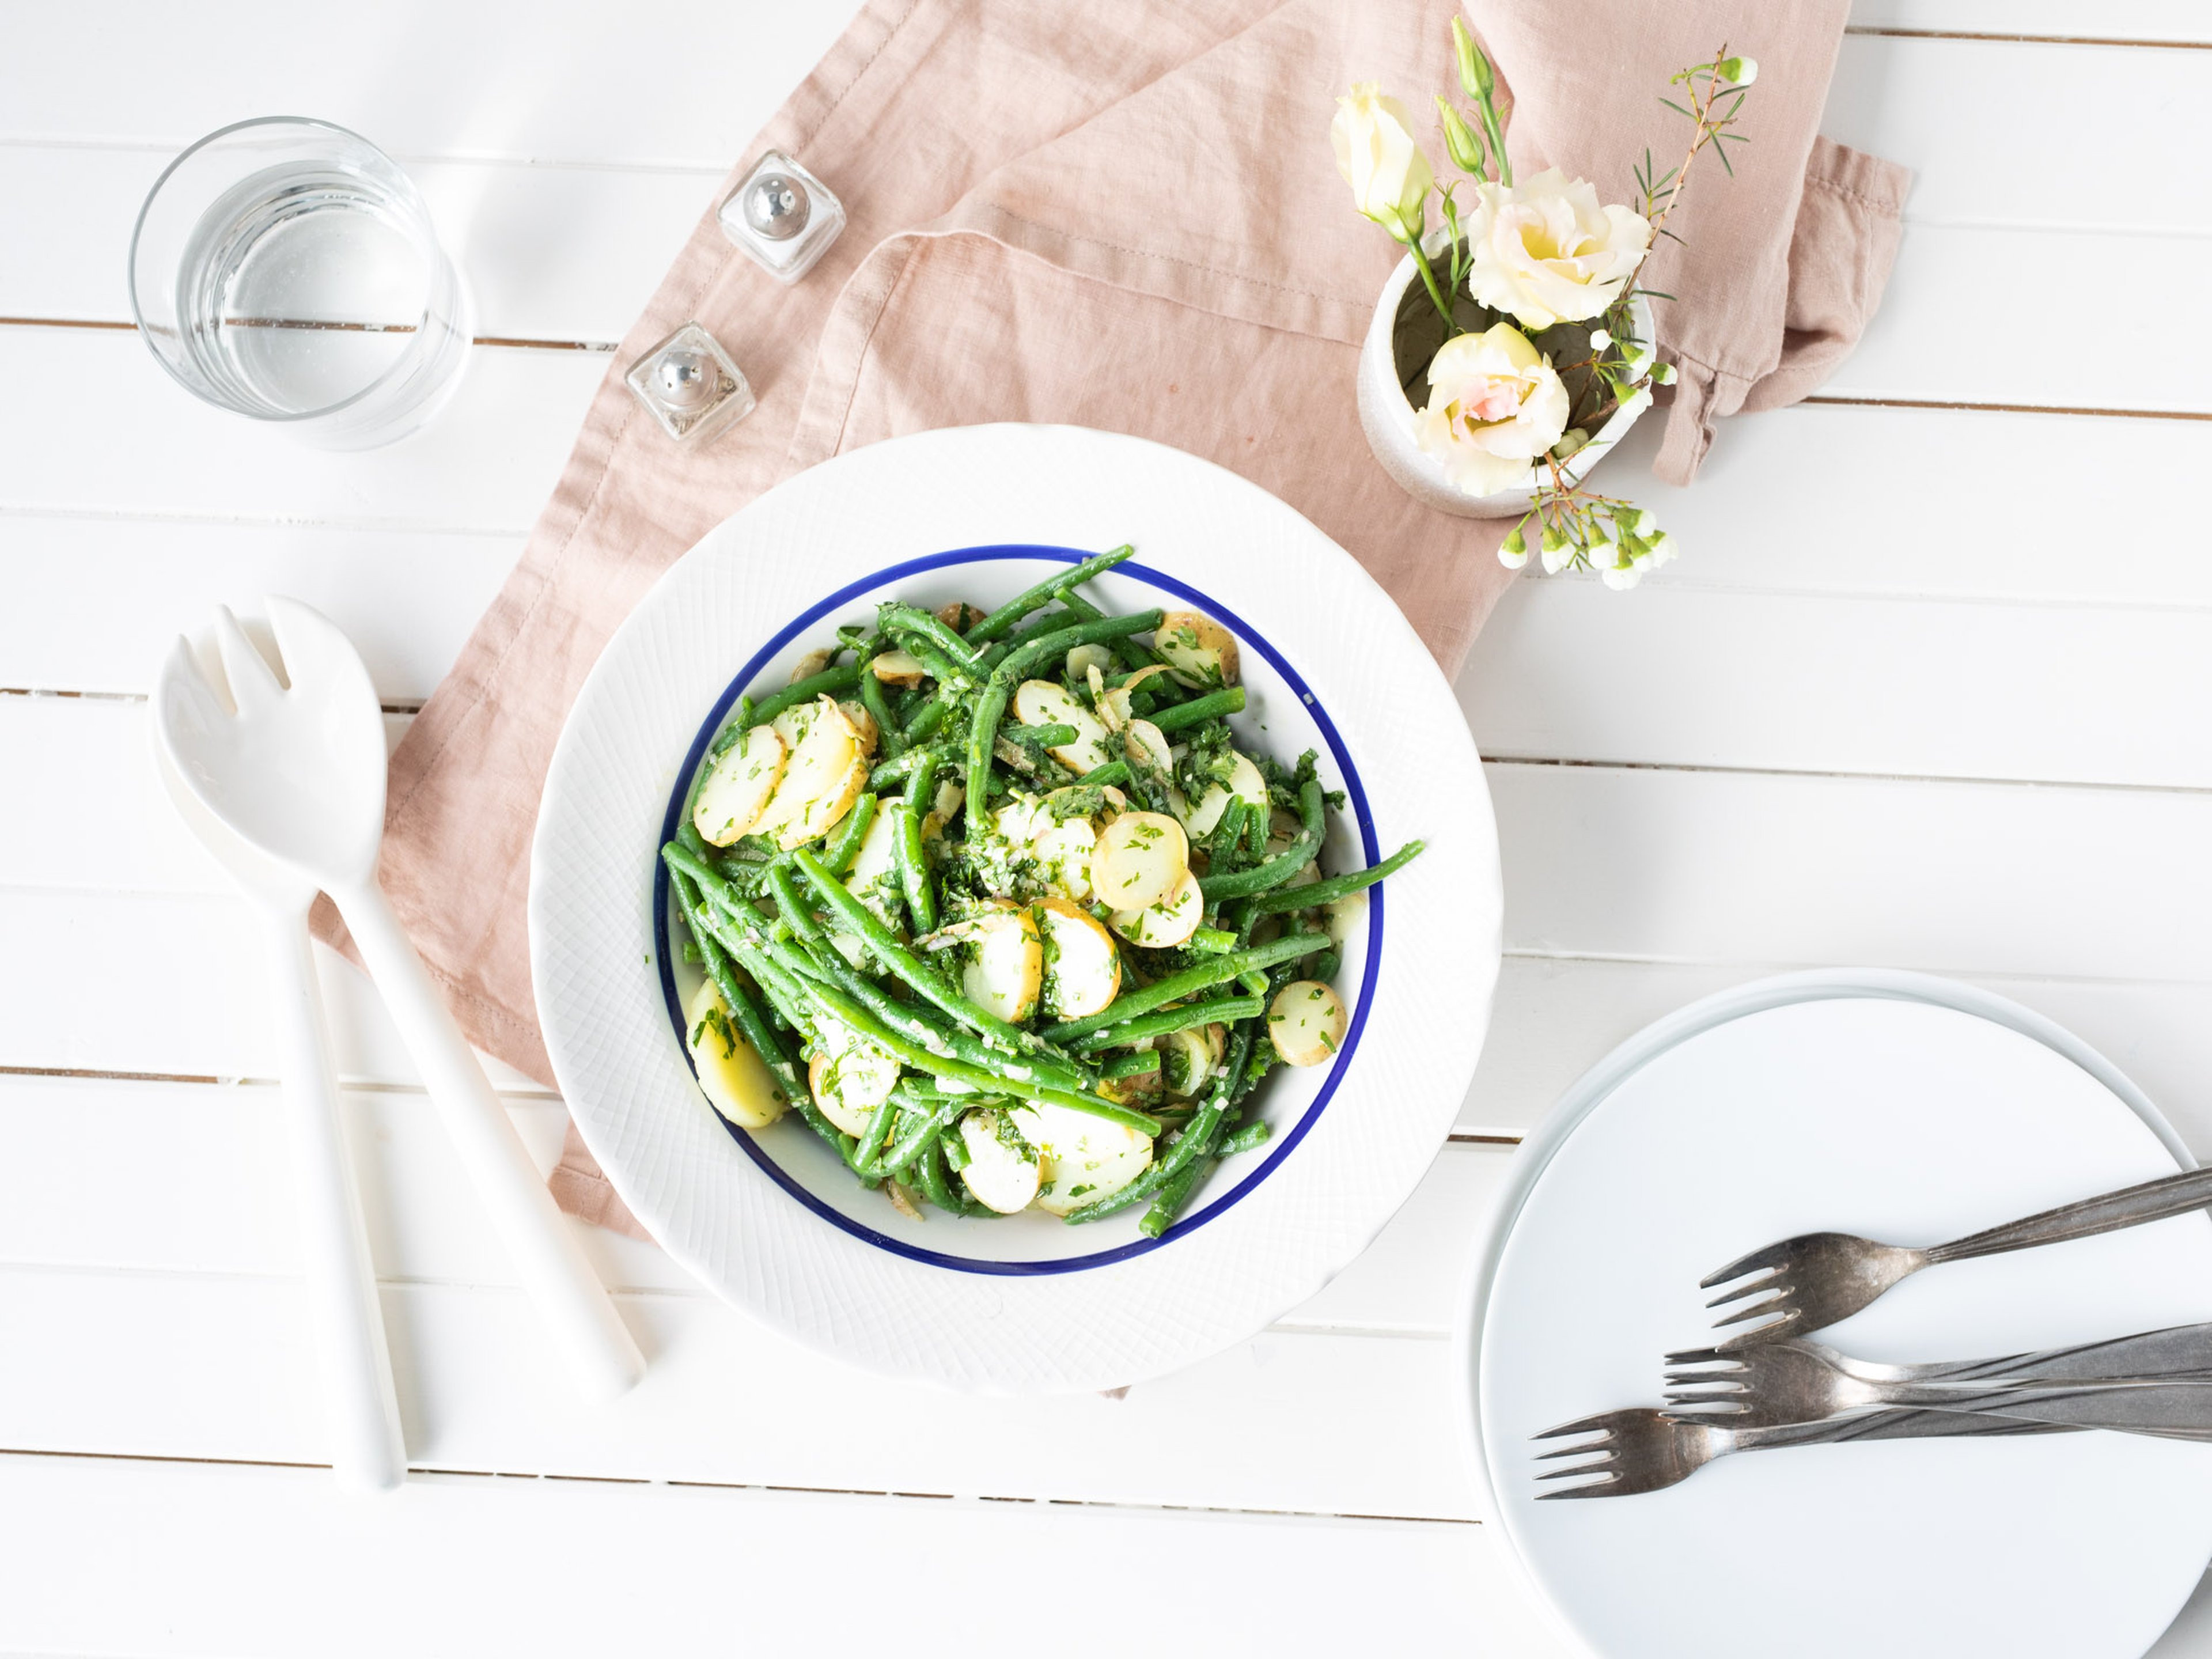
x=297, y=772
x=2179, y=1350
x=1643, y=1448
x=1802, y=1383
x=1818, y=1279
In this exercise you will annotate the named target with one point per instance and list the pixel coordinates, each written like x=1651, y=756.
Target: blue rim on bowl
x=664, y=960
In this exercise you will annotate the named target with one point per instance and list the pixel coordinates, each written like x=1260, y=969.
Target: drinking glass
x=286, y=268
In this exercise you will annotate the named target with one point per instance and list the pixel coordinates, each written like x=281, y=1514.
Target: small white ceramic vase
x=1387, y=418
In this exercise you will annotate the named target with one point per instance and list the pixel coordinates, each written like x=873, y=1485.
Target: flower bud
x=1570, y=440
x=1460, y=142
x=1662, y=549
x=1662, y=373
x=1375, y=152
x=1474, y=71
x=1741, y=70
x=1599, y=339
x=1514, y=553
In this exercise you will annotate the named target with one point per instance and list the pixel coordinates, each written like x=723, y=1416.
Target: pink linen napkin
x=1110, y=216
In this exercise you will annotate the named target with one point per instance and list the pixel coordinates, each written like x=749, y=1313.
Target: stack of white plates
x=1903, y=1108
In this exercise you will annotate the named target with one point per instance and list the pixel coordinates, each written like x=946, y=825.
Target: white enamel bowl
x=772, y=1220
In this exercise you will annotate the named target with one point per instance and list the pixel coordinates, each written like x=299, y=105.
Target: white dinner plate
x=1739, y=1123
x=772, y=1220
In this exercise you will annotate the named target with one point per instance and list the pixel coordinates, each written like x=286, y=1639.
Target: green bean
x=913, y=623
x=951, y=678
x=843, y=677
x=1042, y=594
x=991, y=705
x=929, y=1170
x=857, y=918
x=1226, y=1011
x=1335, y=887
x=752, y=1025
x=846, y=845
x=1138, y=1062
x=798, y=915
x=1186, y=1148
x=934, y=710
x=928, y=1120
x=872, y=1140
x=1113, y=772
x=1254, y=1134
x=1133, y=655
x=1211, y=940
x=955, y=1148
x=1222, y=845
x=1238, y=884
x=1213, y=703
x=888, y=738
x=897, y=771
x=1196, y=978
x=1035, y=738
x=1172, y=1196
x=913, y=859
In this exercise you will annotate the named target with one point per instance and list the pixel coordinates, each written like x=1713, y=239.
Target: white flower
x=1546, y=252
x=1375, y=152
x=1600, y=340
x=1741, y=70
x=1494, y=406
x=1513, y=551
x=1620, y=577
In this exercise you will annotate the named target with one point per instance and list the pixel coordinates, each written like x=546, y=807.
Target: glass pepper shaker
x=691, y=385
x=783, y=217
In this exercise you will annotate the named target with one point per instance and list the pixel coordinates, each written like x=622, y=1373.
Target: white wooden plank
x=1960, y=114
x=525, y=81
x=1784, y=505
x=118, y=1177
x=550, y=252
x=467, y=1567
x=1932, y=687
x=724, y=1400
x=1836, y=498
x=94, y=604
x=109, y=434
x=1951, y=877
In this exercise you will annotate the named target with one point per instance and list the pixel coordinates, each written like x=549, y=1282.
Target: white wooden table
x=1927, y=689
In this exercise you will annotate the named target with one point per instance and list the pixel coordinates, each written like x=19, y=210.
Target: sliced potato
x=1007, y=970
x=736, y=1080
x=1085, y=658
x=1305, y=1022
x=823, y=777
x=1340, y=916
x=1020, y=818
x=1283, y=828
x=738, y=790
x=1200, y=651
x=1245, y=784
x=1148, y=749
x=1171, y=920
x=1186, y=1059
x=865, y=732
x=1003, y=1172
x=850, y=1077
x=1083, y=1158
x=1086, y=969
x=959, y=616
x=808, y=665
x=1138, y=859
x=901, y=668
x=1040, y=703
x=947, y=799
x=1063, y=854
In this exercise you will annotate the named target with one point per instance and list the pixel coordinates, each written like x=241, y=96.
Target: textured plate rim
x=1020, y=485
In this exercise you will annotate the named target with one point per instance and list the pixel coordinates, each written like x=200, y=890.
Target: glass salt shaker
x=783, y=217
x=691, y=385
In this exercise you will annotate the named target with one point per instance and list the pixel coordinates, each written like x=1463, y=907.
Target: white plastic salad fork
x=297, y=772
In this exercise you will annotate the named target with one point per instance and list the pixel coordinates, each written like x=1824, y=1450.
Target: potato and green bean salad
x=998, y=906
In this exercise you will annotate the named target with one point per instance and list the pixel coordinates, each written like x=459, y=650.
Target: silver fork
x=2177, y=1352
x=1802, y=1383
x=1817, y=1279
x=1643, y=1448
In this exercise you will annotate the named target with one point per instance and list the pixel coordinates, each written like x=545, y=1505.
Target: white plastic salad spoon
x=367, y=1452
x=298, y=772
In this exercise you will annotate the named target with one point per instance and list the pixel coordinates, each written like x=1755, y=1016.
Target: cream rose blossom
x=1494, y=406
x=1546, y=252
x=1389, y=177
